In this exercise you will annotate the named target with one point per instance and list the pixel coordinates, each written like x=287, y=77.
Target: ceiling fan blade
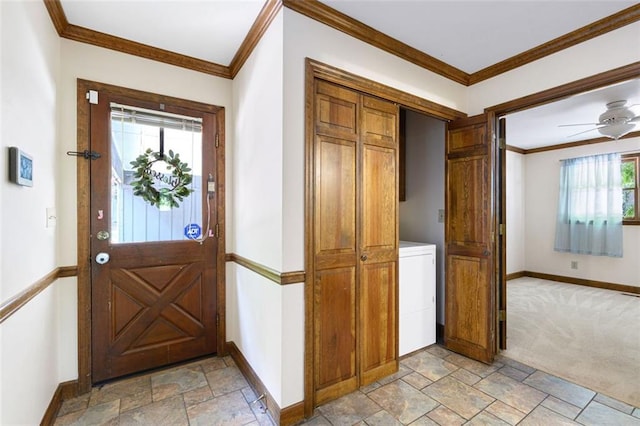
x=586, y=131
x=579, y=124
x=635, y=119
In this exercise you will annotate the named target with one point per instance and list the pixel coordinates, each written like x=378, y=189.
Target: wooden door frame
x=315, y=70
x=557, y=93
x=84, y=213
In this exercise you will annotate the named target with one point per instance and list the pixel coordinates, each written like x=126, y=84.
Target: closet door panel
x=380, y=122
x=336, y=111
x=377, y=321
x=378, y=224
x=379, y=203
x=335, y=332
x=335, y=213
x=335, y=241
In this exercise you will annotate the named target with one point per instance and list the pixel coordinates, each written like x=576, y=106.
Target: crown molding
x=84, y=35
x=610, y=23
x=572, y=144
x=56, y=13
x=107, y=41
x=606, y=78
x=326, y=15
x=267, y=14
x=331, y=17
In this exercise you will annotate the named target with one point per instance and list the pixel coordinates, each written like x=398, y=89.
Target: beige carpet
x=586, y=335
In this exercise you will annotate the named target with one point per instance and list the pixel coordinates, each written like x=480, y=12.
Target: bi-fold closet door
x=355, y=241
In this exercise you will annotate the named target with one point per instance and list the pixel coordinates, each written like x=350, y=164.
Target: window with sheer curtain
x=589, y=217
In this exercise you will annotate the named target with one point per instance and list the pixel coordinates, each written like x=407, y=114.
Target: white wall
x=425, y=160
x=542, y=176
x=516, y=212
x=255, y=305
x=257, y=166
x=30, y=62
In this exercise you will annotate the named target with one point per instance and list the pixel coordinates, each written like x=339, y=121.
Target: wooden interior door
x=378, y=240
x=154, y=301
x=355, y=239
x=470, y=305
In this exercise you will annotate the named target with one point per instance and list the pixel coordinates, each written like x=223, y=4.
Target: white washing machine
x=417, y=292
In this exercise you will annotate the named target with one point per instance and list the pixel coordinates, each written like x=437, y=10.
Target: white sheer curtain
x=590, y=206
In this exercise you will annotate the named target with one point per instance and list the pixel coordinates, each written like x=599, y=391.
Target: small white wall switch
x=52, y=217
x=574, y=264
x=441, y=216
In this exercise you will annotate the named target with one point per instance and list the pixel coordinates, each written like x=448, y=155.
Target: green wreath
x=178, y=180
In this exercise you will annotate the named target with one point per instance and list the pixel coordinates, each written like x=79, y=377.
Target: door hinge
x=502, y=229
x=92, y=96
x=217, y=320
x=217, y=140
x=217, y=230
x=502, y=315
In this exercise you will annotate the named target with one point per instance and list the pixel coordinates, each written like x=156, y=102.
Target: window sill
x=631, y=222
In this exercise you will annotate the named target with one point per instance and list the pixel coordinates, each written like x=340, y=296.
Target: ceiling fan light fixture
x=616, y=130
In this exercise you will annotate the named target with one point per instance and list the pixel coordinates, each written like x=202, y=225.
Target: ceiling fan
x=615, y=122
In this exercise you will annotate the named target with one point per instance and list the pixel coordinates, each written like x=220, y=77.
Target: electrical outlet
x=574, y=264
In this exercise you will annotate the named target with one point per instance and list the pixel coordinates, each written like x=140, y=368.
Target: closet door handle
x=363, y=257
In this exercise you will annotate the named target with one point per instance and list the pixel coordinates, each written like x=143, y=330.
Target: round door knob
x=102, y=235
x=363, y=257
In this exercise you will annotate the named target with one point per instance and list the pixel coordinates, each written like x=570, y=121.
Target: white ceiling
x=538, y=127
x=472, y=35
x=469, y=35
x=211, y=30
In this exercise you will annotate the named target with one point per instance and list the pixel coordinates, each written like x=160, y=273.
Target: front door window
x=153, y=215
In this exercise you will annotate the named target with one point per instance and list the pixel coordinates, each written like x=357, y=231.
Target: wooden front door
x=470, y=305
x=153, y=299
x=355, y=240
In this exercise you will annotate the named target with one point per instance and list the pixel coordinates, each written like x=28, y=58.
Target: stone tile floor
x=432, y=387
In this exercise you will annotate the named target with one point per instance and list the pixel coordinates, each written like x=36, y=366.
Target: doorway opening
x=529, y=176
x=422, y=213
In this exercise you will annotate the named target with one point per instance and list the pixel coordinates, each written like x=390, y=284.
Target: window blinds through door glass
x=148, y=117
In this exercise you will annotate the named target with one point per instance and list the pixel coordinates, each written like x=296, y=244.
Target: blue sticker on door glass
x=192, y=231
